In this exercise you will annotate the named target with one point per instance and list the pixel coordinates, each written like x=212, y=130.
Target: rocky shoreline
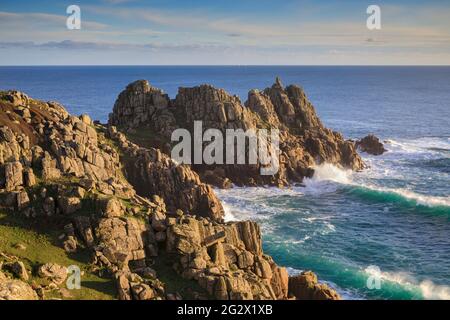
x=123, y=201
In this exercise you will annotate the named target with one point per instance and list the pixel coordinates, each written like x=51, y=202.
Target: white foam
x=330, y=173
x=427, y=288
x=420, y=199
x=228, y=213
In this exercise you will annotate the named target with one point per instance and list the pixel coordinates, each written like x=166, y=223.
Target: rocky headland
x=109, y=198
x=148, y=116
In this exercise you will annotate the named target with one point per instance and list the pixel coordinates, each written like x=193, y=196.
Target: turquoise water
x=390, y=222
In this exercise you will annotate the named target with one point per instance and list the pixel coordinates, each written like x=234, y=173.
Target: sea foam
x=329, y=173
x=427, y=288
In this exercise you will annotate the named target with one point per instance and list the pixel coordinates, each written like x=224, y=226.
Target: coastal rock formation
x=128, y=205
x=370, y=144
x=226, y=259
x=305, y=286
x=304, y=141
x=152, y=172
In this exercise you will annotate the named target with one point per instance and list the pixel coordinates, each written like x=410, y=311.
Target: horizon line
x=227, y=65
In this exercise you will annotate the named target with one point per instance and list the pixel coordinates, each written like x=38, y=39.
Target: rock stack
x=304, y=141
x=371, y=145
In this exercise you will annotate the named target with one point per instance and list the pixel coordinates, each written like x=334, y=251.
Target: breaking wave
x=426, y=288
x=330, y=173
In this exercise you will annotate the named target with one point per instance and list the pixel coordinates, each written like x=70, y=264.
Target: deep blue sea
x=388, y=225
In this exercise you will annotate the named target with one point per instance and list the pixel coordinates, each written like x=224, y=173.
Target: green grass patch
x=43, y=246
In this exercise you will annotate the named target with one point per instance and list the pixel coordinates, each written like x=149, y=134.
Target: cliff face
x=304, y=141
x=130, y=207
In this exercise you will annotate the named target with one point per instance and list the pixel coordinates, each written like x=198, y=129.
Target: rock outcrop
x=152, y=172
x=226, y=259
x=12, y=289
x=370, y=144
x=304, y=141
x=129, y=205
x=305, y=286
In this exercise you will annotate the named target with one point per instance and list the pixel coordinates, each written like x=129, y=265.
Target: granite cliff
x=127, y=213
x=304, y=140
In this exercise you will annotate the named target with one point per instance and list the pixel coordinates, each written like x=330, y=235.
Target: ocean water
x=388, y=225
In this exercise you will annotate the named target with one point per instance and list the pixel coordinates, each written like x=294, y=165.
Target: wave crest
x=427, y=288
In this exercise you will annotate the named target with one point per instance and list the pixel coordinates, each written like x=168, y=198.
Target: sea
x=383, y=233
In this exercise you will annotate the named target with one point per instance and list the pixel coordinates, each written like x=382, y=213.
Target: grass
x=145, y=137
x=43, y=246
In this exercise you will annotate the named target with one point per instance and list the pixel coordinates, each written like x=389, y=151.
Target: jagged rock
x=69, y=205
x=22, y=200
x=70, y=244
x=123, y=286
x=75, y=162
x=138, y=104
x=122, y=240
x=142, y=292
x=132, y=287
x=84, y=229
x=49, y=169
x=53, y=272
x=207, y=251
x=306, y=287
x=16, y=290
x=86, y=119
x=304, y=141
x=16, y=98
x=29, y=177
x=13, y=175
x=111, y=207
x=371, y=144
x=159, y=220
x=153, y=173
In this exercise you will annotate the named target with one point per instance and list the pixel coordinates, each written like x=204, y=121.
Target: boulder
x=70, y=244
x=371, y=145
x=53, y=272
x=16, y=290
x=305, y=286
x=69, y=205
x=111, y=207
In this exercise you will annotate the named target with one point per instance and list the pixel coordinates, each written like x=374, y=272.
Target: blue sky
x=289, y=32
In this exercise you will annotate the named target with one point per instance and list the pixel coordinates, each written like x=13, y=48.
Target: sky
x=220, y=32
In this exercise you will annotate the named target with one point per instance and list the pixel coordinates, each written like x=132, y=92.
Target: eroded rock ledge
x=130, y=207
x=304, y=141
